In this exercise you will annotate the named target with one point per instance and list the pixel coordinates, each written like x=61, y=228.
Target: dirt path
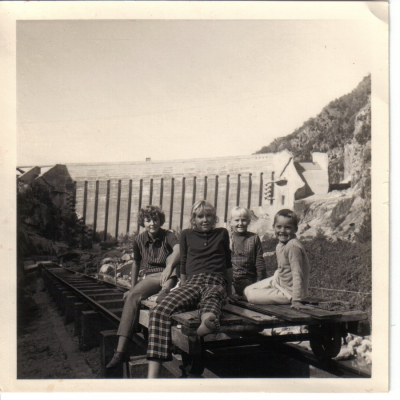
x=46, y=348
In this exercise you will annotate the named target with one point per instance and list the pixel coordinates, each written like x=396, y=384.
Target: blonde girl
x=206, y=277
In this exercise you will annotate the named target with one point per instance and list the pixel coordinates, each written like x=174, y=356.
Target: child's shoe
x=118, y=359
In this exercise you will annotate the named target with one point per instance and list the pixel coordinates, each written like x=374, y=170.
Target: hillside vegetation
x=340, y=270
x=336, y=229
x=334, y=128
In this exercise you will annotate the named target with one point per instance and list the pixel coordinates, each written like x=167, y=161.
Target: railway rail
x=237, y=350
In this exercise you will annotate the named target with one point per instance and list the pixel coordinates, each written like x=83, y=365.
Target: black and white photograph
x=195, y=197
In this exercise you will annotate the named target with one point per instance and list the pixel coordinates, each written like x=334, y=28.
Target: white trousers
x=265, y=292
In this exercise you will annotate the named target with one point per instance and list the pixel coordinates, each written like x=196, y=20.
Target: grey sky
x=124, y=90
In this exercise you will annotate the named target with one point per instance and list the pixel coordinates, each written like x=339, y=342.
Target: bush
x=320, y=235
x=343, y=266
x=99, y=237
x=364, y=233
x=268, y=242
x=126, y=241
x=337, y=265
x=49, y=214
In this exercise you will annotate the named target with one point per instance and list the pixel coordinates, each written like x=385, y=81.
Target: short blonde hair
x=241, y=210
x=202, y=206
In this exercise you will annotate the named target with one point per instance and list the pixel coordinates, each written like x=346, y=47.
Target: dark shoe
x=161, y=295
x=118, y=359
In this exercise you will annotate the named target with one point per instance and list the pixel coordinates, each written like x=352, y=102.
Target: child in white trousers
x=289, y=284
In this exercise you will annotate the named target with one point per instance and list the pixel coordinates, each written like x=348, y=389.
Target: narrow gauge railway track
x=96, y=306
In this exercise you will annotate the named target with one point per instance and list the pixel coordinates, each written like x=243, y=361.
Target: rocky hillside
x=343, y=131
x=342, y=123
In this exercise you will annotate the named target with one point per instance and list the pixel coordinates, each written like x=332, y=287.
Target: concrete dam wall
x=109, y=195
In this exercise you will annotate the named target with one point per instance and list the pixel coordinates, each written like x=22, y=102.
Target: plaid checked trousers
x=206, y=291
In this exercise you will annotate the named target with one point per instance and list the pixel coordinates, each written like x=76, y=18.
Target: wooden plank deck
x=241, y=323
x=268, y=316
x=280, y=311
x=253, y=316
x=322, y=314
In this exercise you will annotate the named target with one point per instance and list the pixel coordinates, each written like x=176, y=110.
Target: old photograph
x=195, y=198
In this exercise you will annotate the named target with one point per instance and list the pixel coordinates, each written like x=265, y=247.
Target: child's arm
x=135, y=264
x=183, y=279
x=295, y=257
x=229, y=270
x=260, y=262
x=227, y=249
x=134, y=272
x=229, y=278
x=171, y=261
x=183, y=254
x=134, y=276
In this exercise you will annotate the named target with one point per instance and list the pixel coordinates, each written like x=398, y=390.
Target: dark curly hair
x=150, y=212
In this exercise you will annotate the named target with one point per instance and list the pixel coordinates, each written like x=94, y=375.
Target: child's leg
x=168, y=285
x=154, y=369
x=213, y=298
x=241, y=284
x=142, y=290
x=209, y=324
x=123, y=342
x=159, y=341
x=264, y=292
x=130, y=315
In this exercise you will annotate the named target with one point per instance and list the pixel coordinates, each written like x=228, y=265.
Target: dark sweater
x=248, y=263
x=203, y=253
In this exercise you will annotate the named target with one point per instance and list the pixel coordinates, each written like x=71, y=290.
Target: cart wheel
x=193, y=364
x=325, y=341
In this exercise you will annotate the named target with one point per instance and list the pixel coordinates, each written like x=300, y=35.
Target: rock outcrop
x=339, y=214
x=343, y=131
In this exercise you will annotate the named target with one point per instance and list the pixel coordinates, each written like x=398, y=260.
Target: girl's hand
x=164, y=277
x=233, y=298
x=269, y=254
x=299, y=306
x=126, y=294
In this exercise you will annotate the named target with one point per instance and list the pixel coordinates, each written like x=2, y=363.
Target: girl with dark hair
x=156, y=251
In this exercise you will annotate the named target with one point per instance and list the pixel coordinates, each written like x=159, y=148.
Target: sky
x=125, y=90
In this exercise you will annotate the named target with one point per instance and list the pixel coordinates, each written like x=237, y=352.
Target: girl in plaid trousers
x=206, y=281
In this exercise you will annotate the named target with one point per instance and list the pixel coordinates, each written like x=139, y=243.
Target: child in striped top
x=156, y=251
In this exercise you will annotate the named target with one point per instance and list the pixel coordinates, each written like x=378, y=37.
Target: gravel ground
x=46, y=348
